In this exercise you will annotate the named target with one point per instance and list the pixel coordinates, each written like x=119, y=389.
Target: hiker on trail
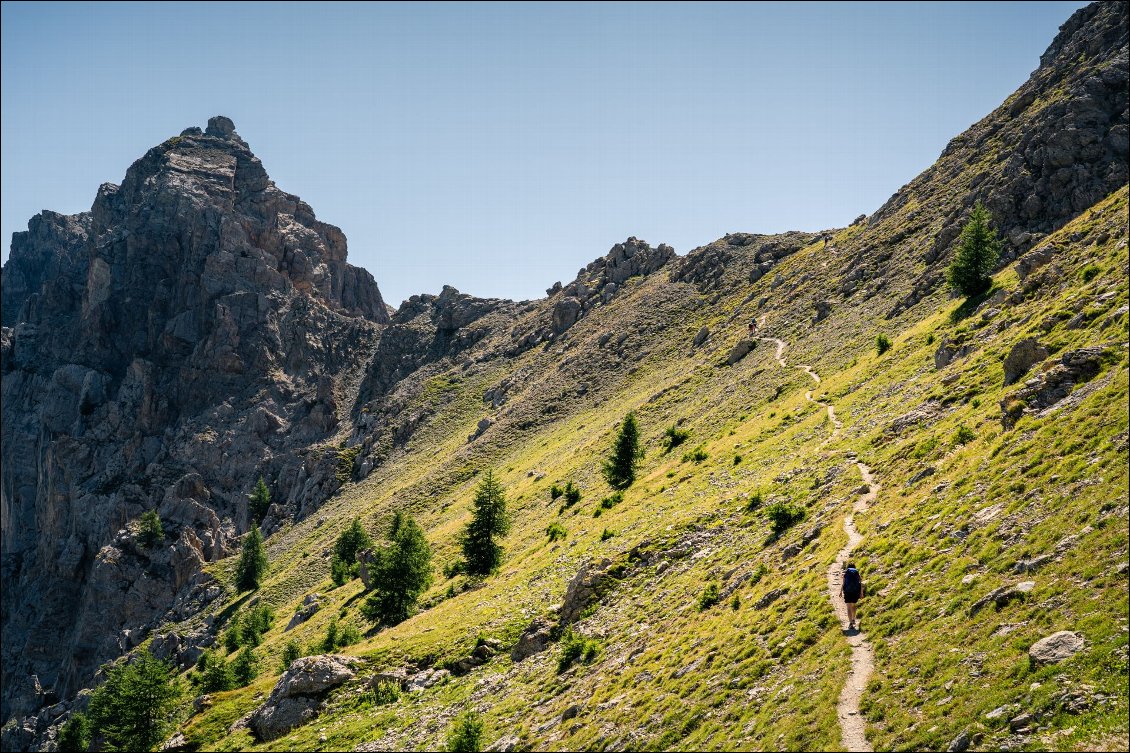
x=752, y=326
x=827, y=239
x=852, y=591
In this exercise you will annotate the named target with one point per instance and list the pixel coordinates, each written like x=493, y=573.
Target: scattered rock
x=1023, y=356
x=1052, y=385
x=1033, y=260
x=922, y=416
x=1056, y=647
x=397, y=676
x=177, y=742
x=1002, y=596
x=997, y=713
x=701, y=336
x=1031, y=565
x=924, y=473
x=310, y=605
x=504, y=744
x=425, y=679
x=950, y=351
x=570, y=712
x=770, y=597
x=1021, y=723
x=740, y=351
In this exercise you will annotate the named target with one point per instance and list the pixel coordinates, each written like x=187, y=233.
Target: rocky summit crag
x=196, y=328
x=199, y=329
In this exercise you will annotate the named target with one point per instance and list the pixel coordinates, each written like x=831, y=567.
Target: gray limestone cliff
x=196, y=329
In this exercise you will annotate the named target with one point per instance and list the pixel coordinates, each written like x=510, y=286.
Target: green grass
x=669, y=676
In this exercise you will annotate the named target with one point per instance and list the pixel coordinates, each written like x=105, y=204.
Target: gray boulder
x=565, y=314
x=296, y=697
x=740, y=351
x=1033, y=260
x=1023, y=356
x=582, y=589
x=533, y=640
x=425, y=679
x=221, y=127
x=272, y=721
x=1056, y=647
x=314, y=674
x=948, y=352
x=701, y=336
x=1003, y=596
x=310, y=605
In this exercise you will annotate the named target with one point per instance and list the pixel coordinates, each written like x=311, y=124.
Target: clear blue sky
x=499, y=148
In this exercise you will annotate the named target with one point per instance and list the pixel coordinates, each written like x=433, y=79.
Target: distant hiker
x=827, y=239
x=852, y=590
x=752, y=326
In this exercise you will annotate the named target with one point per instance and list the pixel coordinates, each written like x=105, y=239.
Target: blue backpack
x=853, y=584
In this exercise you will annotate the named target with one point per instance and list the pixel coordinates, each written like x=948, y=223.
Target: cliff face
x=192, y=331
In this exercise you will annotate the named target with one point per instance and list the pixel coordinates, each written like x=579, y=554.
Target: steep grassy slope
x=764, y=675
x=980, y=492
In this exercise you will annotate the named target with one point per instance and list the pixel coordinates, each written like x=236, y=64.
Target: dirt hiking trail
x=852, y=724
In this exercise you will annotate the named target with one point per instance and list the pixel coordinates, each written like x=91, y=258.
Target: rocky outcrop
x=1023, y=356
x=425, y=329
x=740, y=351
x=48, y=262
x=583, y=588
x=297, y=696
x=707, y=266
x=193, y=331
x=1053, y=384
x=566, y=312
x=1054, y=148
x=533, y=640
x=623, y=261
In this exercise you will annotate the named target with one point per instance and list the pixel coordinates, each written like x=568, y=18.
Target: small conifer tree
x=133, y=709
x=252, y=565
x=245, y=667
x=620, y=468
x=152, y=532
x=489, y=521
x=259, y=501
x=291, y=652
x=466, y=735
x=403, y=571
x=971, y=271
x=75, y=734
x=352, y=541
x=215, y=673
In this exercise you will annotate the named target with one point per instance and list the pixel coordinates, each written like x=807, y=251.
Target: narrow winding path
x=836, y=423
x=852, y=724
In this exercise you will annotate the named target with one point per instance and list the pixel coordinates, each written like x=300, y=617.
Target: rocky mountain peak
x=197, y=323
x=220, y=126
